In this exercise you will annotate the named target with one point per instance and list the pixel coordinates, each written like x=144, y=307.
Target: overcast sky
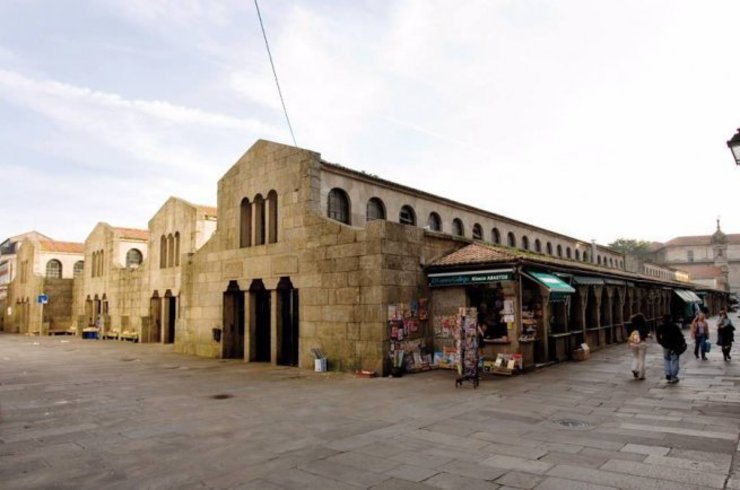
x=597, y=119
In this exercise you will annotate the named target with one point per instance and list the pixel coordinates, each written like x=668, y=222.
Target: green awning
x=551, y=282
x=588, y=281
x=687, y=296
x=693, y=296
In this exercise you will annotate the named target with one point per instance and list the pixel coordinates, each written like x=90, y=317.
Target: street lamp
x=734, y=146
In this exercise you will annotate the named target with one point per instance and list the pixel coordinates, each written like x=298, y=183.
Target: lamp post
x=734, y=146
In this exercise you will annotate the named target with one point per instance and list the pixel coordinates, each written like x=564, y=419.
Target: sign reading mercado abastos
x=469, y=278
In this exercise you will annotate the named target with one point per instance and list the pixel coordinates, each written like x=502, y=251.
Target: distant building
x=8, y=252
x=712, y=260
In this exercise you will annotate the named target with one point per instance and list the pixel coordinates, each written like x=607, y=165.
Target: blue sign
x=43, y=299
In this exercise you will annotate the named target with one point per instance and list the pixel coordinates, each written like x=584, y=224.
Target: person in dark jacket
x=638, y=344
x=671, y=338
x=725, y=334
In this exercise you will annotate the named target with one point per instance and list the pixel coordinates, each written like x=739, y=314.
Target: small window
x=578, y=254
x=611, y=262
x=162, y=252
x=338, y=208
x=549, y=248
x=496, y=236
x=568, y=252
x=598, y=259
x=133, y=258
x=560, y=251
x=690, y=255
x=477, y=232
x=434, y=222
x=79, y=267
x=511, y=239
x=260, y=219
x=525, y=242
x=537, y=245
x=375, y=209
x=457, y=227
x=54, y=269
x=272, y=217
x=407, y=216
x=245, y=225
x=585, y=256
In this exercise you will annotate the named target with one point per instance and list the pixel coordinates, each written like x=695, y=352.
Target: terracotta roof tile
x=703, y=240
x=207, y=210
x=133, y=233
x=65, y=247
x=699, y=271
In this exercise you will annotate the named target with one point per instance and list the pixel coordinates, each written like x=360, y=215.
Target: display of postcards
x=414, y=308
x=410, y=325
x=508, y=319
x=423, y=312
x=393, y=313
x=508, y=307
x=394, y=332
x=511, y=364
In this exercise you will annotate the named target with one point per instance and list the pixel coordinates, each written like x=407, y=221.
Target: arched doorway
x=259, y=325
x=155, y=314
x=287, y=330
x=233, y=326
x=170, y=316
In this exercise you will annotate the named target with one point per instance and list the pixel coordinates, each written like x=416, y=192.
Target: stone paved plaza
x=106, y=414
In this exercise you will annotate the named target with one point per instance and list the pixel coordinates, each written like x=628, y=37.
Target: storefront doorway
x=170, y=317
x=259, y=298
x=155, y=315
x=287, y=298
x=233, y=322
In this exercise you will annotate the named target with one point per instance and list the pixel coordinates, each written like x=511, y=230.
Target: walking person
x=671, y=338
x=700, y=334
x=725, y=334
x=638, y=344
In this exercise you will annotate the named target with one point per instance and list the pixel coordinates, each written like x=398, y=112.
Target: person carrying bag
x=637, y=342
x=671, y=338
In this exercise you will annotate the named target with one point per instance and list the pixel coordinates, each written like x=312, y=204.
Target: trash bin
x=319, y=365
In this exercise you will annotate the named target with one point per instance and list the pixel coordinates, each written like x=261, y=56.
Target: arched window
x=170, y=250
x=611, y=262
x=54, y=269
x=272, y=215
x=578, y=254
x=375, y=209
x=245, y=223
x=525, y=242
x=133, y=258
x=567, y=252
x=407, y=216
x=259, y=216
x=477, y=232
x=163, y=252
x=457, y=227
x=585, y=256
x=560, y=251
x=79, y=267
x=496, y=236
x=338, y=208
x=598, y=259
x=537, y=245
x=511, y=239
x=548, y=247
x=177, y=248
x=93, y=260
x=434, y=222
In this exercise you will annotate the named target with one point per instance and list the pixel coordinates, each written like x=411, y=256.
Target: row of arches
x=339, y=208
x=169, y=250
x=97, y=263
x=258, y=220
x=54, y=269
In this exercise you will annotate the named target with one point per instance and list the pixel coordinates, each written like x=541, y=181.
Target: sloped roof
x=132, y=233
x=702, y=240
x=485, y=253
x=207, y=210
x=63, y=247
x=700, y=271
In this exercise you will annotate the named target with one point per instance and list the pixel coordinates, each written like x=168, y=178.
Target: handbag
x=707, y=345
x=634, y=337
x=682, y=348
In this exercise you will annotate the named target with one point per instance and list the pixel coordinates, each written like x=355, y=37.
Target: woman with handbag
x=670, y=337
x=725, y=334
x=638, y=343
x=700, y=334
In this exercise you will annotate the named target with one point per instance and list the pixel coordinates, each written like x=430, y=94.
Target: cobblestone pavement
x=106, y=414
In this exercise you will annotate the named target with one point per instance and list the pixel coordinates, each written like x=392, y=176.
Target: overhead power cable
x=274, y=72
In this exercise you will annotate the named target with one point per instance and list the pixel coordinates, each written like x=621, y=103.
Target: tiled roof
x=699, y=271
x=484, y=253
x=703, y=240
x=132, y=233
x=65, y=247
x=207, y=210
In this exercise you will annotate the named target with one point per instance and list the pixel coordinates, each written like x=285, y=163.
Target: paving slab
x=90, y=415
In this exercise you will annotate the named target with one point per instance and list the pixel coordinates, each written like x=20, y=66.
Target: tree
x=638, y=248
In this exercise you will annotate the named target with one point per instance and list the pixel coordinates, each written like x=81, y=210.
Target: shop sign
x=467, y=279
